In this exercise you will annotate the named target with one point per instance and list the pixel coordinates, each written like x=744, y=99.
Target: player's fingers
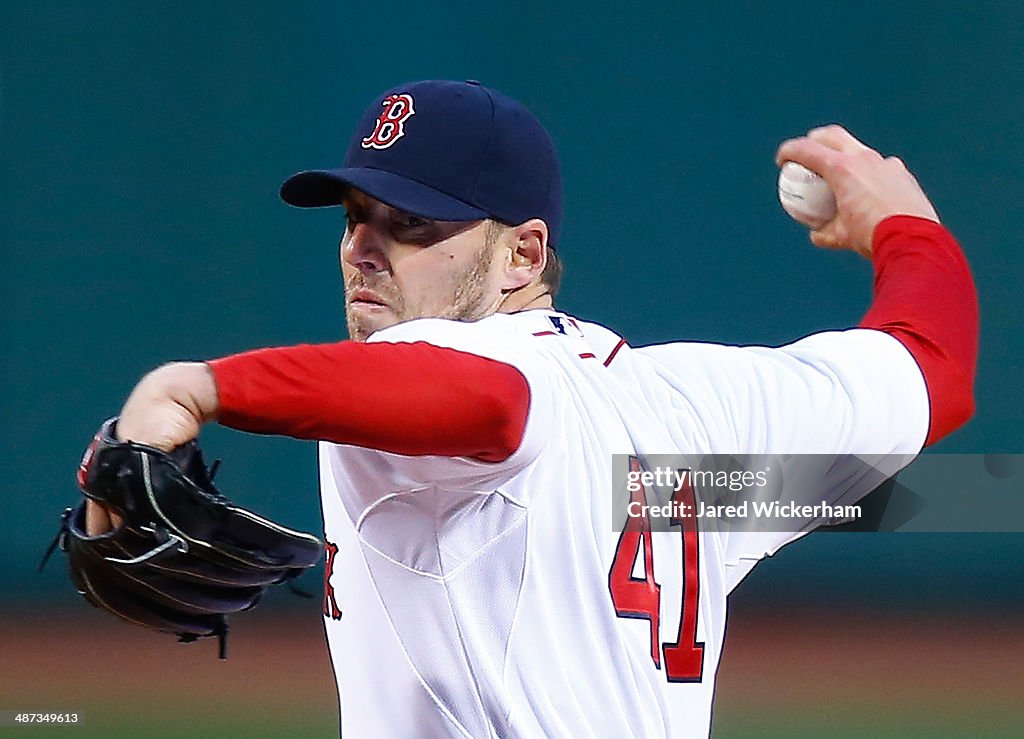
x=812, y=154
x=836, y=137
x=834, y=235
x=97, y=520
x=100, y=518
x=823, y=239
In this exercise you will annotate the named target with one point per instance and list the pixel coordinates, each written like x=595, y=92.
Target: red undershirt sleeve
x=406, y=398
x=925, y=297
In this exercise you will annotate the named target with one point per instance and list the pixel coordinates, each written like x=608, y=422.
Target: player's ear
x=527, y=246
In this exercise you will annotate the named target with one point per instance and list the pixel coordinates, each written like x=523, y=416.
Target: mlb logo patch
x=565, y=326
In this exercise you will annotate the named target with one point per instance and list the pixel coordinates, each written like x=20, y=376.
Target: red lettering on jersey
x=684, y=660
x=391, y=123
x=331, y=609
x=631, y=596
x=636, y=598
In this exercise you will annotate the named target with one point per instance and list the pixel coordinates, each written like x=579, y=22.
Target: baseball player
x=478, y=583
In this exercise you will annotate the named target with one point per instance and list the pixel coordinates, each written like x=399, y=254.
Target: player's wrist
x=169, y=405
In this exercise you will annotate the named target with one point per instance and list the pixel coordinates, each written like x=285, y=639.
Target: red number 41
x=641, y=598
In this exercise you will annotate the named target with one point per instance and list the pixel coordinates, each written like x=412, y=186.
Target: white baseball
x=805, y=195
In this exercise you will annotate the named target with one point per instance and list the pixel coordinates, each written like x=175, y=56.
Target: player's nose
x=363, y=248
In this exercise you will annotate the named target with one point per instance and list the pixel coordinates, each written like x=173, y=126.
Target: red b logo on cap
x=390, y=124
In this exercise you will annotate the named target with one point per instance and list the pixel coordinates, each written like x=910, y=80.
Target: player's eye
x=408, y=220
x=354, y=215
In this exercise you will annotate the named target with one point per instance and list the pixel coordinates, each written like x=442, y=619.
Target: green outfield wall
x=142, y=144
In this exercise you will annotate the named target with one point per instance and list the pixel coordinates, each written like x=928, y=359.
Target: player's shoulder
x=571, y=336
x=498, y=327
x=812, y=348
x=502, y=336
x=540, y=333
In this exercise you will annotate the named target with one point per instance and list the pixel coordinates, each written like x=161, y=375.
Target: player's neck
x=527, y=298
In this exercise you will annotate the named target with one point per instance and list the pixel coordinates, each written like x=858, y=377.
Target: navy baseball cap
x=450, y=151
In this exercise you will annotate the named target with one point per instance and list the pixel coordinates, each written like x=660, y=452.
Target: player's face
x=398, y=266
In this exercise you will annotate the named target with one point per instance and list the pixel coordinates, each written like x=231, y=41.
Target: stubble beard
x=468, y=301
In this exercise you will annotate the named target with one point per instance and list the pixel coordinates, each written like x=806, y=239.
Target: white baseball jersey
x=476, y=599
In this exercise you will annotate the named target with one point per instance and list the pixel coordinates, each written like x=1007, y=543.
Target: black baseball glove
x=185, y=556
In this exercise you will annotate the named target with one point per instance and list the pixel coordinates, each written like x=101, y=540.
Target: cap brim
x=326, y=187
